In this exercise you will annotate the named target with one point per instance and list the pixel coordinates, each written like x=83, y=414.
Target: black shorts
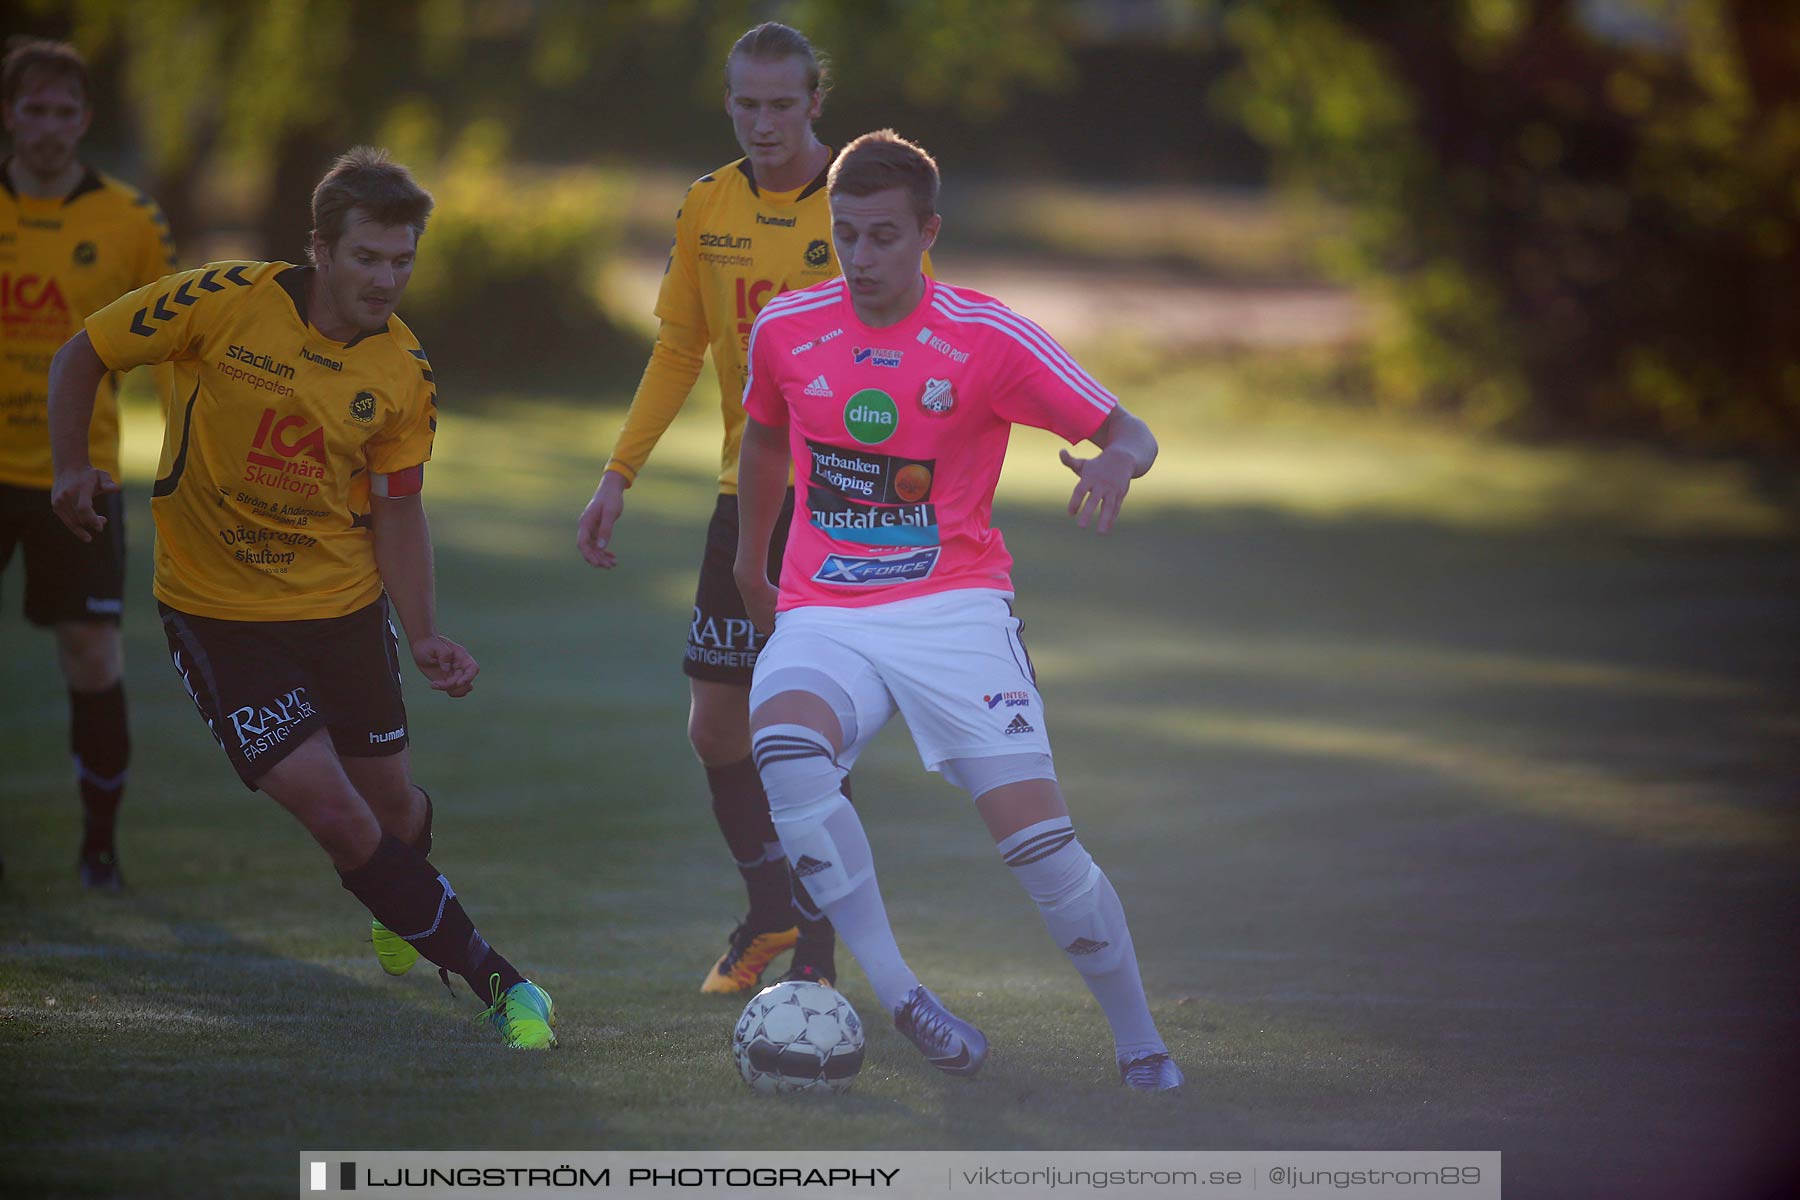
x=265, y=686
x=722, y=643
x=66, y=579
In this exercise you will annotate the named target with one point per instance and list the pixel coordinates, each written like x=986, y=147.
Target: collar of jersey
x=296, y=281
x=818, y=181
x=89, y=182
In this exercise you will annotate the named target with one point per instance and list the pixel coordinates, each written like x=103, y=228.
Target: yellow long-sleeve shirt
x=60, y=260
x=736, y=248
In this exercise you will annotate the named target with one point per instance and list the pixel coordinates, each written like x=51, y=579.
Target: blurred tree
x=1586, y=215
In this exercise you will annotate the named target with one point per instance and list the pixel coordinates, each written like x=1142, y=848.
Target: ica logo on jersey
x=32, y=300
x=287, y=454
x=751, y=296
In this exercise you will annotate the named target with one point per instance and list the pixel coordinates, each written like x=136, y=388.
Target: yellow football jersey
x=736, y=248
x=59, y=261
x=273, y=429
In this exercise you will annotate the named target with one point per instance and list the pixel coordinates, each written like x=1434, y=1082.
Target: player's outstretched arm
x=1127, y=449
x=403, y=556
x=595, y=529
x=674, y=365
x=762, y=480
x=75, y=375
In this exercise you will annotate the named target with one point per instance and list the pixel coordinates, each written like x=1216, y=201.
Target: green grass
x=1448, y=785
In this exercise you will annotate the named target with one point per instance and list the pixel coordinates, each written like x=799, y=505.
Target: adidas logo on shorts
x=808, y=865
x=818, y=387
x=1019, y=725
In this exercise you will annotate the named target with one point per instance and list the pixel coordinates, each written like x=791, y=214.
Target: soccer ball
x=798, y=1037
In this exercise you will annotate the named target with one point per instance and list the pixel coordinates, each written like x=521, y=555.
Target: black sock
x=742, y=810
x=100, y=740
x=422, y=843
x=407, y=894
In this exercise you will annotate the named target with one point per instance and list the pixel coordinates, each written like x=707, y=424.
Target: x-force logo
x=886, y=569
x=262, y=727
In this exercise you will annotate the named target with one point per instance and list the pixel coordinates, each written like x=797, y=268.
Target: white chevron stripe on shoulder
x=792, y=304
x=956, y=307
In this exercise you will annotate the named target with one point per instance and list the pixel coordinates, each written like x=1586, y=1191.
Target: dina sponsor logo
x=260, y=728
x=875, y=356
x=928, y=338
x=1009, y=699
x=783, y=222
x=871, y=416
x=880, y=571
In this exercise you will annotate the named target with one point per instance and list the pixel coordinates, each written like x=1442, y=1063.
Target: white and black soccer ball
x=798, y=1037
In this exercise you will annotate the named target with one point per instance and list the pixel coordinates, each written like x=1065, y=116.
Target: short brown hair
x=771, y=42
x=27, y=56
x=367, y=179
x=877, y=161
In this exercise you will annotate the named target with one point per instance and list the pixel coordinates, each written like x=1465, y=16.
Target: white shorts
x=951, y=663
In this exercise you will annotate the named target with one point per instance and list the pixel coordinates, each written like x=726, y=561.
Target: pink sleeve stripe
x=781, y=306
x=1030, y=336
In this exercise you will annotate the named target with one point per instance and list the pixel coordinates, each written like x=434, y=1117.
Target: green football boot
x=522, y=1015
x=394, y=952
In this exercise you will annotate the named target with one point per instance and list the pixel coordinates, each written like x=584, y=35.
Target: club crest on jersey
x=818, y=253
x=875, y=356
x=937, y=397
x=363, y=407
x=86, y=253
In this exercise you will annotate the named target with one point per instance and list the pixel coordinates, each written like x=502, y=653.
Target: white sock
x=1083, y=914
x=828, y=851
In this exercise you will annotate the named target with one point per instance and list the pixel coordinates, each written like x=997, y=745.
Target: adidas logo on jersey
x=1019, y=725
x=808, y=865
x=818, y=387
x=1083, y=945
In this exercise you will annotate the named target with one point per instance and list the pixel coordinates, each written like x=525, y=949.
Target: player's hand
x=1104, y=480
x=759, y=596
x=448, y=666
x=595, y=528
x=72, y=498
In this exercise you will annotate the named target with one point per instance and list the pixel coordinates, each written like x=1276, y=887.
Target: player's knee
x=717, y=743
x=807, y=803
x=90, y=655
x=1071, y=892
x=797, y=767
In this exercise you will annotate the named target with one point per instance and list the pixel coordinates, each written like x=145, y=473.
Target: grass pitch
x=1441, y=824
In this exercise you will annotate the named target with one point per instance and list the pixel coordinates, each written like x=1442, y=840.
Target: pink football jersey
x=899, y=433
